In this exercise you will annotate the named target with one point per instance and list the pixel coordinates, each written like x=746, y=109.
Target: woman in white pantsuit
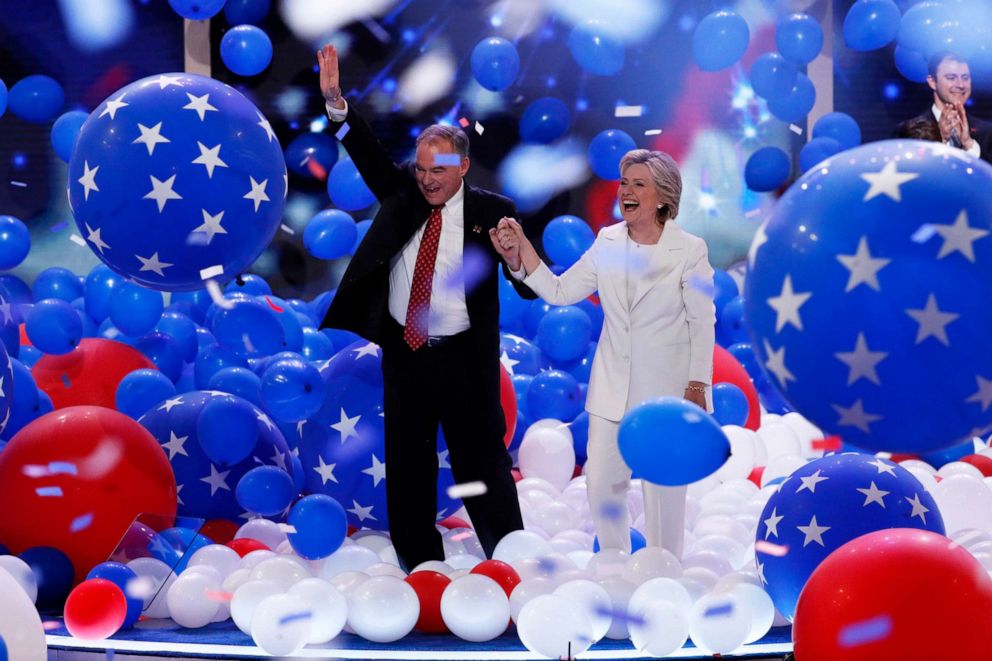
x=654, y=282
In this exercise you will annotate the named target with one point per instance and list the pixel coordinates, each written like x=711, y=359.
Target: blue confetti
x=49, y=491
x=722, y=609
x=57, y=467
x=868, y=631
x=294, y=617
x=343, y=131
x=619, y=615
x=81, y=523
x=65, y=380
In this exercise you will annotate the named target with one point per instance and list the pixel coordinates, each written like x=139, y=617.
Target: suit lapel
x=664, y=258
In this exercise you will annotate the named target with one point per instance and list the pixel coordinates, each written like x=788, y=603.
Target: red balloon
x=245, y=545
x=508, y=400
x=429, y=585
x=499, y=571
x=89, y=374
x=95, y=609
x=979, y=461
x=76, y=478
x=727, y=369
x=221, y=531
x=900, y=593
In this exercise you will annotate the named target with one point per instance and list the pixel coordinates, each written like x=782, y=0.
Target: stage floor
x=162, y=638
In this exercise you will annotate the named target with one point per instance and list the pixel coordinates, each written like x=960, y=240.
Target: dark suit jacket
x=361, y=304
x=981, y=131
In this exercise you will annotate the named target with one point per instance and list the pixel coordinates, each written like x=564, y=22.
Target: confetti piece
x=50, y=625
x=653, y=132
x=19, y=184
x=65, y=380
x=273, y=305
x=81, y=523
x=722, y=609
x=34, y=470
x=867, y=631
x=768, y=548
x=317, y=170
x=442, y=160
x=286, y=528
x=62, y=467
x=795, y=129
x=827, y=444
x=78, y=240
x=924, y=233
x=58, y=227
x=343, y=131
x=218, y=595
x=619, y=615
x=295, y=617
x=463, y=122
x=752, y=213
x=217, y=296
x=211, y=272
x=287, y=229
x=467, y=490
x=628, y=111
x=249, y=347
x=479, y=128
x=462, y=535
x=49, y=491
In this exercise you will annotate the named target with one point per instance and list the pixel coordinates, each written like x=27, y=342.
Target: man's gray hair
x=453, y=134
x=665, y=175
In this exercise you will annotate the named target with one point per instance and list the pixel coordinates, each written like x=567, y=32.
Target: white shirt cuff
x=975, y=149
x=517, y=275
x=337, y=114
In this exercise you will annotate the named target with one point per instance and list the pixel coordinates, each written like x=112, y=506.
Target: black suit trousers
x=454, y=386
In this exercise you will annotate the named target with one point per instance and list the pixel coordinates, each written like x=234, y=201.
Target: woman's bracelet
x=696, y=388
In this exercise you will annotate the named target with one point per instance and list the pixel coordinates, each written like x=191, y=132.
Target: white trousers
x=607, y=484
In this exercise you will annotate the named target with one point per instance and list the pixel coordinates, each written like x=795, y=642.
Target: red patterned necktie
x=415, y=330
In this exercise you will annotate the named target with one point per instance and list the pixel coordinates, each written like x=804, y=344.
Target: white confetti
x=78, y=240
x=211, y=272
x=795, y=129
x=479, y=128
x=467, y=490
x=628, y=111
x=287, y=229
x=653, y=132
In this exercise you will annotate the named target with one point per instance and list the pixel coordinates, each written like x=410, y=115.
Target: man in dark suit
x=949, y=79
x=422, y=286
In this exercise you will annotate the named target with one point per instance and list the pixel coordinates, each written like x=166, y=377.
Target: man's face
x=952, y=84
x=439, y=170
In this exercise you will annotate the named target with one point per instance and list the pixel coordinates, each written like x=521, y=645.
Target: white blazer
x=654, y=347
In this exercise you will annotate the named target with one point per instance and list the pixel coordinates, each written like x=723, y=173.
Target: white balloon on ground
x=656, y=591
x=254, y=558
x=349, y=558
x=246, y=599
x=521, y=544
x=20, y=625
x=154, y=578
x=740, y=463
x=651, y=562
x=593, y=599
x=780, y=440
x=547, y=453
x=620, y=592
x=719, y=623
x=262, y=530
x=661, y=629
x=281, y=625
x=553, y=626
x=190, y=605
x=965, y=502
x=383, y=609
x=328, y=608
x=281, y=569
x=526, y=590
x=22, y=574
x=475, y=608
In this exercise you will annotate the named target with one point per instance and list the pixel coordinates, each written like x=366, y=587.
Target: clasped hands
x=508, y=240
x=954, y=117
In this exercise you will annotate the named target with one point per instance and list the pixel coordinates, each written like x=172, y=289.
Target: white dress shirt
x=448, y=313
x=975, y=149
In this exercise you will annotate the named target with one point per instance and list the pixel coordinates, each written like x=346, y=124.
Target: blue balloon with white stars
x=827, y=503
x=176, y=174
x=342, y=446
x=207, y=489
x=867, y=296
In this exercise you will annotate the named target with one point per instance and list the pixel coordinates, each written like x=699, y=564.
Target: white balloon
x=154, y=578
x=528, y=484
x=724, y=526
x=281, y=569
x=651, y=562
x=656, y=591
x=695, y=589
x=581, y=559
x=702, y=575
x=564, y=546
x=760, y=605
x=20, y=625
x=223, y=558
x=593, y=600
x=280, y=624
x=925, y=478
x=383, y=609
x=959, y=468
x=563, y=428
x=806, y=431
x=527, y=590
x=246, y=599
x=965, y=502
x=663, y=629
x=349, y=558
x=346, y=580
x=385, y=569
x=463, y=561
x=553, y=626
x=547, y=453
x=262, y=530
x=434, y=565
x=209, y=571
x=711, y=560
x=719, y=623
x=475, y=608
x=372, y=539
x=190, y=604
x=917, y=463
x=781, y=466
x=22, y=573
x=620, y=592
x=740, y=463
x=556, y=517
x=780, y=440
x=607, y=562
x=328, y=608
x=388, y=554
x=702, y=487
x=583, y=539
x=250, y=560
x=520, y=544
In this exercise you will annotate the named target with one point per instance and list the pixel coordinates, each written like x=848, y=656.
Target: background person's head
x=949, y=76
x=650, y=186
x=441, y=162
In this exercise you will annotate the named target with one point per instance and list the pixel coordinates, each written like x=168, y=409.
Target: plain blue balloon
x=193, y=303
x=841, y=127
x=816, y=151
x=239, y=381
x=15, y=242
x=3, y=98
x=320, y=524
x=511, y=305
x=724, y=289
x=97, y=289
x=720, y=39
x=211, y=360
x=794, y=106
x=227, y=429
x=911, y=64
x=54, y=573
x=919, y=26
x=57, y=282
x=730, y=405
x=732, y=324
x=316, y=345
x=54, y=326
x=871, y=24
x=250, y=328
x=346, y=187
x=292, y=390
x=120, y=575
x=197, y=10
x=330, y=234
x=29, y=355
x=554, y=394
x=251, y=284
x=533, y=315
x=36, y=99
x=246, y=50
x=672, y=442
x=239, y=12
x=799, y=38
x=564, y=333
x=946, y=456
x=772, y=76
x=182, y=329
x=767, y=169
x=744, y=354
x=361, y=229
x=164, y=351
x=595, y=49
x=595, y=312
x=141, y=390
x=545, y=120
x=312, y=155
x=605, y=151
x=495, y=63
x=135, y=309
x=566, y=238
x=265, y=490
x=65, y=130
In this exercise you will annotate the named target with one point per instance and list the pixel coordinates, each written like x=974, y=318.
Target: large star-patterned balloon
x=827, y=503
x=175, y=175
x=868, y=293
